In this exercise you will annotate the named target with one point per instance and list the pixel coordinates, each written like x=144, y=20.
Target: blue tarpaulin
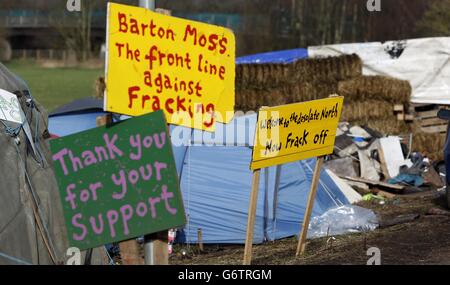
x=284, y=56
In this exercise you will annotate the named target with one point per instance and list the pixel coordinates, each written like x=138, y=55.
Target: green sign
x=118, y=182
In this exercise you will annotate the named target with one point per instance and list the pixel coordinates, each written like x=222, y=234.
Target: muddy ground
x=424, y=240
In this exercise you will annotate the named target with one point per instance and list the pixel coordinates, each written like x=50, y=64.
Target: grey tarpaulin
x=21, y=240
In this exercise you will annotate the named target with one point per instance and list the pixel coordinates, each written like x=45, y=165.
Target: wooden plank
x=383, y=164
x=160, y=251
x=358, y=185
x=376, y=183
x=365, y=191
x=309, y=206
x=432, y=122
x=399, y=108
x=383, y=193
x=434, y=129
x=129, y=253
x=200, y=239
x=409, y=118
x=251, y=218
x=428, y=114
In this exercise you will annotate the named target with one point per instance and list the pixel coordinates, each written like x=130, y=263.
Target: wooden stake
x=200, y=239
x=399, y=108
x=251, y=217
x=129, y=252
x=312, y=195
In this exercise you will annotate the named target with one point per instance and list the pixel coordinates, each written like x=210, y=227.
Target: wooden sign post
x=309, y=206
x=251, y=217
x=291, y=133
x=155, y=249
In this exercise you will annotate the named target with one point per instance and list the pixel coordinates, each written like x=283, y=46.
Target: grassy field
x=53, y=87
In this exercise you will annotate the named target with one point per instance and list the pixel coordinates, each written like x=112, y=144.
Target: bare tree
x=75, y=27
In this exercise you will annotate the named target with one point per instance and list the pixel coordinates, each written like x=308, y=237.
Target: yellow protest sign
x=295, y=132
x=183, y=67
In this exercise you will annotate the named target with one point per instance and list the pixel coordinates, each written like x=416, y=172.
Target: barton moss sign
x=118, y=182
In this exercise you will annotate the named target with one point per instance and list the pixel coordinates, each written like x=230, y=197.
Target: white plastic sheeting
x=343, y=220
x=425, y=63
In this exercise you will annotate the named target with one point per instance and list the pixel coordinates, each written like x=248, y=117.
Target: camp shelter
x=215, y=181
x=32, y=228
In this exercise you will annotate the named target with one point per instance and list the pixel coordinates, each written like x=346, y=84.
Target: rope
x=10, y=131
x=14, y=259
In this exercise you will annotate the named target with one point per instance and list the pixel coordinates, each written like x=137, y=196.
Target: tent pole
x=312, y=195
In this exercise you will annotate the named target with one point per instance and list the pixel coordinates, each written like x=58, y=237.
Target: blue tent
x=215, y=181
x=77, y=116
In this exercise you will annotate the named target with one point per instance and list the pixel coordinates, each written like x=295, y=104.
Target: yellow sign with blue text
x=183, y=67
x=295, y=132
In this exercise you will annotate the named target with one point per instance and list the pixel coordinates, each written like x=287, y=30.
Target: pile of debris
x=381, y=165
